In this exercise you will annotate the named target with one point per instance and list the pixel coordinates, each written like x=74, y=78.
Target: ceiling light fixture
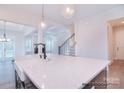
x=68, y=11
x=4, y=39
x=43, y=25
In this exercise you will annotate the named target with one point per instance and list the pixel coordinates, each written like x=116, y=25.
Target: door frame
x=110, y=39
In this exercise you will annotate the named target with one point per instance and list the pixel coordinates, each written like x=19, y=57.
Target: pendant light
x=4, y=39
x=68, y=11
x=43, y=25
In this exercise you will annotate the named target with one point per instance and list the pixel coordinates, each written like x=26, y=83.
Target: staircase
x=68, y=47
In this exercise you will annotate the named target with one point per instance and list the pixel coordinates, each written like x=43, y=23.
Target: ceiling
x=56, y=31
x=54, y=11
x=9, y=26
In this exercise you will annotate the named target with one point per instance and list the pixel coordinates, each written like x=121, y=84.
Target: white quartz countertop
x=60, y=72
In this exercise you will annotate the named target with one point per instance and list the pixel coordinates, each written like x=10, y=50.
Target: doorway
x=119, y=42
x=54, y=37
x=116, y=39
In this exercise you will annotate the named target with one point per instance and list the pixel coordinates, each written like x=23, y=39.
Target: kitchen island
x=58, y=71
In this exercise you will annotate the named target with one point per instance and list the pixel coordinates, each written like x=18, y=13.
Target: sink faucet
x=43, y=49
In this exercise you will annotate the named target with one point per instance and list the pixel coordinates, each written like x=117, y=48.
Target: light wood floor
x=115, y=75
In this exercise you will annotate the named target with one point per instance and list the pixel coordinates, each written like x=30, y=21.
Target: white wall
x=91, y=33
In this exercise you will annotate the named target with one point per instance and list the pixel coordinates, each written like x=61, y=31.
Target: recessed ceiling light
x=122, y=22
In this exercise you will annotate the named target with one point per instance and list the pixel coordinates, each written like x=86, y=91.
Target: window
x=28, y=46
x=7, y=50
x=30, y=40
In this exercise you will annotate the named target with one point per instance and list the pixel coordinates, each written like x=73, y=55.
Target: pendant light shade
x=43, y=25
x=4, y=39
x=68, y=11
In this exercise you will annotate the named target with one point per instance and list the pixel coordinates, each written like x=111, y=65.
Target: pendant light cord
x=43, y=12
x=4, y=34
